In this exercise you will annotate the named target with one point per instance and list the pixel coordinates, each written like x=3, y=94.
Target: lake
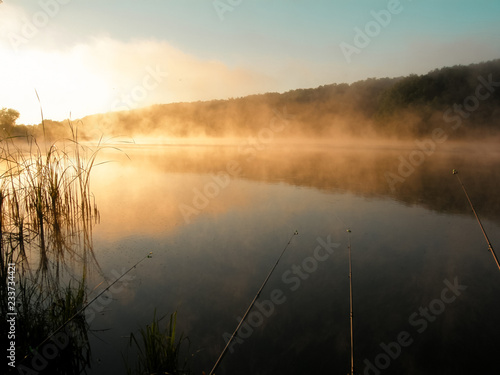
x=217, y=217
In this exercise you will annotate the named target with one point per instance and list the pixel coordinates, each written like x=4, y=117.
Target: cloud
x=106, y=74
x=184, y=77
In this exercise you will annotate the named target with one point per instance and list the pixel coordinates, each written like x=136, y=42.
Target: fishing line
x=88, y=304
x=490, y=246
x=342, y=221
x=250, y=307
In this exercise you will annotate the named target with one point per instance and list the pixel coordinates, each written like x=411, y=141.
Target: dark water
x=426, y=288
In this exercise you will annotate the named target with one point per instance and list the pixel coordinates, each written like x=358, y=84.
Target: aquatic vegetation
x=45, y=201
x=49, y=335
x=159, y=351
x=46, y=217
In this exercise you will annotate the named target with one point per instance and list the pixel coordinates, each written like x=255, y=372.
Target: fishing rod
x=490, y=246
x=250, y=307
x=350, y=301
x=350, y=294
x=150, y=255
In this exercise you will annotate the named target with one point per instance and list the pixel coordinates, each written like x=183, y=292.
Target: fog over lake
x=217, y=216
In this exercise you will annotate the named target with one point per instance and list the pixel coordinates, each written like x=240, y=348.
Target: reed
x=47, y=213
x=46, y=203
x=159, y=350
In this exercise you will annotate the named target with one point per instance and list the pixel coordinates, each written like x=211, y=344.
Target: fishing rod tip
x=454, y=171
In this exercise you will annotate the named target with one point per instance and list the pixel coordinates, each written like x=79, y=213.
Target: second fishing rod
x=490, y=246
x=228, y=344
x=82, y=309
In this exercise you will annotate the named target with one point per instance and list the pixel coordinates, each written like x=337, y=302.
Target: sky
x=94, y=56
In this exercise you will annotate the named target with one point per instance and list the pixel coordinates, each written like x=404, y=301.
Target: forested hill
x=466, y=98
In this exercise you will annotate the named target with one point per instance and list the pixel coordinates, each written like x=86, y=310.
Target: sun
x=65, y=85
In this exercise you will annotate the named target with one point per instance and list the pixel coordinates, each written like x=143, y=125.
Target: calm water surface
x=422, y=273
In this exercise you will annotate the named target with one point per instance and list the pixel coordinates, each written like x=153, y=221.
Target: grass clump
x=159, y=350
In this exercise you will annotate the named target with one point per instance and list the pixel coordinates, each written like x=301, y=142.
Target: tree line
x=395, y=107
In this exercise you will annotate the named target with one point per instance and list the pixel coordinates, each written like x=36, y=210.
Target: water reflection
x=405, y=242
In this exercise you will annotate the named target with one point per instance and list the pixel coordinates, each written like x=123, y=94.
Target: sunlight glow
x=107, y=75
x=64, y=84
